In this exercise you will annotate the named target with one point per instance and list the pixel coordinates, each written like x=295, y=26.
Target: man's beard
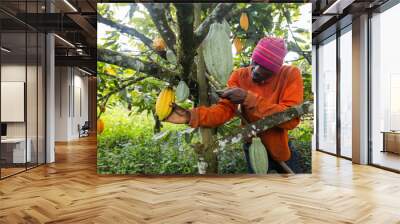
x=257, y=78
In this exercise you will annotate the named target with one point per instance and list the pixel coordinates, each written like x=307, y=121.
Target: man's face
x=260, y=74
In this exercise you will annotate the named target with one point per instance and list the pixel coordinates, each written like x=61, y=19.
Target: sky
x=304, y=22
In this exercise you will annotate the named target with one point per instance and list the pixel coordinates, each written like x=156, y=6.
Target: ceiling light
x=5, y=50
x=338, y=6
x=79, y=51
x=86, y=72
x=70, y=5
x=64, y=40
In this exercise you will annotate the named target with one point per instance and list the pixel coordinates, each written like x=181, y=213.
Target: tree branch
x=127, y=30
x=233, y=13
x=156, y=11
x=168, y=15
x=129, y=82
x=201, y=70
x=122, y=60
x=131, y=32
x=263, y=124
x=288, y=20
x=217, y=15
x=186, y=52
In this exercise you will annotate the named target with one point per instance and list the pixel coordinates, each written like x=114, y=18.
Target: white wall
x=12, y=73
x=71, y=94
x=33, y=127
x=16, y=73
x=62, y=81
x=80, y=110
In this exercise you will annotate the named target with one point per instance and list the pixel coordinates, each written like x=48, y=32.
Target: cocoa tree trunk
x=206, y=133
x=157, y=123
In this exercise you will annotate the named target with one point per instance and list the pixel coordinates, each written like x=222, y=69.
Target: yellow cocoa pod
x=244, y=21
x=164, y=103
x=100, y=126
x=238, y=45
x=159, y=44
x=111, y=71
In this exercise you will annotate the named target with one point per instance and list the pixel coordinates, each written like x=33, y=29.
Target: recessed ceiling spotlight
x=70, y=5
x=338, y=6
x=86, y=72
x=64, y=40
x=5, y=50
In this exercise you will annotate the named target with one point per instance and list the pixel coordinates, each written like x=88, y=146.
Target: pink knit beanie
x=269, y=53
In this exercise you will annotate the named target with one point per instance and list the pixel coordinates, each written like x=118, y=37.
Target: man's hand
x=178, y=115
x=235, y=95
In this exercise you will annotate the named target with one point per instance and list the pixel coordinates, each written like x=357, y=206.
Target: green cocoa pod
x=218, y=52
x=171, y=56
x=227, y=28
x=258, y=156
x=182, y=91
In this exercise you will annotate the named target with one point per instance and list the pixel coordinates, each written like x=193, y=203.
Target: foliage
x=232, y=160
x=301, y=138
x=129, y=147
x=265, y=20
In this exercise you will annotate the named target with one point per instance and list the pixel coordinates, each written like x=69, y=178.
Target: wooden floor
x=387, y=159
x=70, y=191
x=10, y=171
x=5, y=172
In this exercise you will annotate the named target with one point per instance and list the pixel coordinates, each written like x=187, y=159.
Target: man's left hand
x=235, y=95
x=178, y=115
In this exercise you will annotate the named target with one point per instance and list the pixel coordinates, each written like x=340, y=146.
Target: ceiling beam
x=81, y=61
x=89, y=30
x=84, y=24
x=320, y=22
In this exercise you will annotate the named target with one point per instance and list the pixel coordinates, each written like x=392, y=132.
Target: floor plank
x=70, y=191
x=387, y=159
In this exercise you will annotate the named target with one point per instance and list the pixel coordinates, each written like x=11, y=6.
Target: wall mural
x=204, y=88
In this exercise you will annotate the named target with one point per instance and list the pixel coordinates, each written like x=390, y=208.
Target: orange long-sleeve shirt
x=282, y=90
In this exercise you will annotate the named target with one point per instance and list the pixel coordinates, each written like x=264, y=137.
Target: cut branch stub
x=263, y=124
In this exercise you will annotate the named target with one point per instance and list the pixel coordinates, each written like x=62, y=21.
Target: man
x=264, y=88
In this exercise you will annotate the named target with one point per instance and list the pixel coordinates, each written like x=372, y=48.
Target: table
x=13, y=150
x=391, y=141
